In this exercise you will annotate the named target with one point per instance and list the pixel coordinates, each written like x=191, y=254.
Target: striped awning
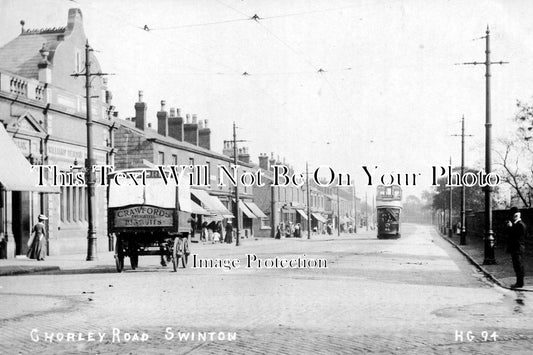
x=319, y=217
x=211, y=203
x=255, y=209
x=302, y=213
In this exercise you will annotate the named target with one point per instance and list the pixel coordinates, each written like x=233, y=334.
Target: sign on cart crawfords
x=144, y=216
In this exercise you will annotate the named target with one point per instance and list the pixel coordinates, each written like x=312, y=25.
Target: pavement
x=501, y=273
x=105, y=262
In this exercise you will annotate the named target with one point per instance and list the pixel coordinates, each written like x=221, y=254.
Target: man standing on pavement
x=516, y=245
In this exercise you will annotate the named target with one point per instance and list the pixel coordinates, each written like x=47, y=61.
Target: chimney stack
x=162, y=120
x=175, y=126
x=263, y=162
x=272, y=161
x=190, y=130
x=228, y=149
x=140, y=112
x=243, y=155
x=204, y=136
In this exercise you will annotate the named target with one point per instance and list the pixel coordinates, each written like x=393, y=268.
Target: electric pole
x=354, y=211
x=236, y=196
x=89, y=162
x=463, y=191
x=366, y=210
x=489, y=258
x=338, y=213
x=238, y=233
x=450, y=232
x=308, y=201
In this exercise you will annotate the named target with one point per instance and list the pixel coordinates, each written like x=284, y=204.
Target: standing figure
x=37, y=241
x=229, y=233
x=516, y=245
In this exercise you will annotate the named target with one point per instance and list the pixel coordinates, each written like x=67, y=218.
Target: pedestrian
x=229, y=233
x=37, y=241
x=278, y=232
x=297, y=231
x=203, y=233
x=516, y=245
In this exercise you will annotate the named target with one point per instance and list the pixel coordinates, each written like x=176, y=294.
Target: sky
x=339, y=83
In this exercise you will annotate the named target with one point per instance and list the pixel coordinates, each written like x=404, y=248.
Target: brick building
x=179, y=140
x=42, y=109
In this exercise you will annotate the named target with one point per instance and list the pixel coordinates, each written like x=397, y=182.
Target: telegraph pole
x=366, y=210
x=450, y=232
x=308, y=201
x=463, y=191
x=354, y=211
x=338, y=213
x=89, y=162
x=237, y=240
x=489, y=235
x=234, y=141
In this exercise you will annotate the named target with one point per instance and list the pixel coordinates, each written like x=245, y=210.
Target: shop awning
x=16, y=172
x=197, y=209
x=302, y=213
x=319, y=217
x=211, y=203
x=246, y=210
x=255, y=209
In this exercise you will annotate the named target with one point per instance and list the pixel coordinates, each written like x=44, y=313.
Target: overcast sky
x=388, y=94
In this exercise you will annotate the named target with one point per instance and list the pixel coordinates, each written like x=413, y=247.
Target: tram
x=389, y=207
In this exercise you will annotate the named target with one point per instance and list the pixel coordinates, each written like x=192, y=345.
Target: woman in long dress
x=37, y=242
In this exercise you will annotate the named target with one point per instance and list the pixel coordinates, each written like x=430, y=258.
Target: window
x=72, y=207
x=265, y=223
x=75, y=203
x=174, y=159
x=79, y=64
x=161, y=158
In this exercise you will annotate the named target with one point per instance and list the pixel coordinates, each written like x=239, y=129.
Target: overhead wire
x=257, y=19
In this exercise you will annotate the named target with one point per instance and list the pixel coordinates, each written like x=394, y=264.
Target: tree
x=515, y=157
x=474, y=196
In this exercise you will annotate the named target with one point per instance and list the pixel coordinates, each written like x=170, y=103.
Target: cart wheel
x=134, y=261
x=175, y=253
x=185, y=257
x=119, y=256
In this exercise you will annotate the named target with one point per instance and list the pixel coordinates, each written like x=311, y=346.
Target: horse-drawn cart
x=148, y=217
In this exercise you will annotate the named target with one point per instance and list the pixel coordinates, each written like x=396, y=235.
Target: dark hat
x=513, y=210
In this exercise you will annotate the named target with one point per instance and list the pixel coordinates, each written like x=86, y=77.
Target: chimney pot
x=178, y=112
x=140, y=96
x=194, y=118
x=163, y=103
x=172, y=112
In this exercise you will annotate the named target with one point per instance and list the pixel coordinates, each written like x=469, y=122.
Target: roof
x=151, y=133
x=21, y=56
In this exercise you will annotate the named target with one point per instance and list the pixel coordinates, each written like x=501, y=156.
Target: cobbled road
x=414, y=295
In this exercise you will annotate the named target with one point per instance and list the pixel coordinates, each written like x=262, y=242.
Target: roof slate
x=21, y=56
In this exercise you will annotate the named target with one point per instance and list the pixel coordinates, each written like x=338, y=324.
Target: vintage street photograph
x=266, y=177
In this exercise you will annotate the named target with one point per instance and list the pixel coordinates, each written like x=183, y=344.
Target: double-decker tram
x=389, y=207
